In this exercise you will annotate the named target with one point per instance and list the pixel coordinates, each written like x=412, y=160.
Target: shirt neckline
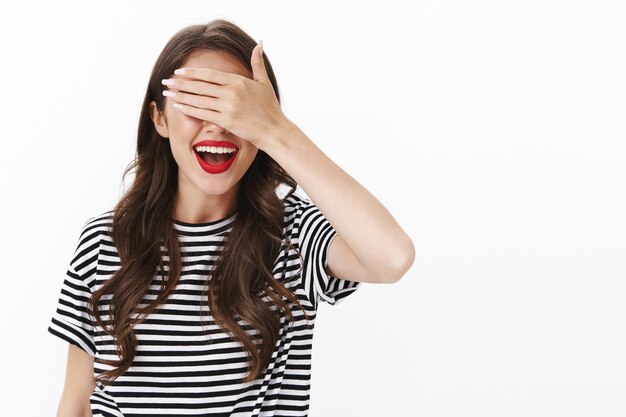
x=205, y=227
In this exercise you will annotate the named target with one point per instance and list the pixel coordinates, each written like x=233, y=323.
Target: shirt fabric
x=185, y=364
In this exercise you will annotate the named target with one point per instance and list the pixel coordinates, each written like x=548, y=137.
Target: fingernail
x=261, y=43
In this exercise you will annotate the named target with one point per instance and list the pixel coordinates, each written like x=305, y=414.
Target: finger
x=259, y=73
x=202, y=114
x=208, y=74
x=201, y=102
x=196, y=87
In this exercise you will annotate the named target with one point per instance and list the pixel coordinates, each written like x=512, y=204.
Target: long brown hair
x=142, y=223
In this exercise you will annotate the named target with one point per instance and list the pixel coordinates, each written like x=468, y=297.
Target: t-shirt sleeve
x=315, y=234
x=72, y=320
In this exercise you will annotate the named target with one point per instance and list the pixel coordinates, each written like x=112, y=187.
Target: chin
x=212, y=186
x=220, y=183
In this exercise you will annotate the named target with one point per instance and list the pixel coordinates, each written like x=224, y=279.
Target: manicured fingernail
x=169, y=93
x=179, y=71
x=261, y=43
x=168, y=81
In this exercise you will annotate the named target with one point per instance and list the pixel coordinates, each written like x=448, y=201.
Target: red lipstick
x=215, y=169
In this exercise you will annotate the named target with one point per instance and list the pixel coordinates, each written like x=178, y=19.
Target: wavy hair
x=142, y=222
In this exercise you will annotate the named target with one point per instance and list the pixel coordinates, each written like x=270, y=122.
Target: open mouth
x=215, y=160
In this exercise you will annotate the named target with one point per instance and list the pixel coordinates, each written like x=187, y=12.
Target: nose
x=214, y=128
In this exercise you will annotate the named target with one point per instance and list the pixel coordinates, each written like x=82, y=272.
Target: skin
x=201, y=196
x=370, y=246
x=79, y=384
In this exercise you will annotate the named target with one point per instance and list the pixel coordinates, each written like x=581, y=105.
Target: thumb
x=258, y=65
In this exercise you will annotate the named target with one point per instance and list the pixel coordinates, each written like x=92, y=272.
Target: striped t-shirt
x=185, y=364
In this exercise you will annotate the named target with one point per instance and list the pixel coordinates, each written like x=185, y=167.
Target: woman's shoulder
x=103, y=220
x=93, y=232
x=300, y=210
x=296, y=201
x=293, y=205
x=97, y=226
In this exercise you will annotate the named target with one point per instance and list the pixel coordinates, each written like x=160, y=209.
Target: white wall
x=493, y=131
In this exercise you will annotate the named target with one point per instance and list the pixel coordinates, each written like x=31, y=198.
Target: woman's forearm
x=366, y=226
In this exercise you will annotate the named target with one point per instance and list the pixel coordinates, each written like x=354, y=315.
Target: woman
x=206, y=281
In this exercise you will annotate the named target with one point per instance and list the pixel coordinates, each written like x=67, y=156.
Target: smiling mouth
x=215, y=158
x=215, y=155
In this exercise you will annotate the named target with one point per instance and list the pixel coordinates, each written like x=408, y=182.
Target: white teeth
x=214, y=149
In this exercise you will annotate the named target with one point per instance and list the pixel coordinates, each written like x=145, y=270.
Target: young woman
x=197, y=293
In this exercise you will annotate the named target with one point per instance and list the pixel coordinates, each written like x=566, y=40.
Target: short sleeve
x=315, y=234
x=72, y=320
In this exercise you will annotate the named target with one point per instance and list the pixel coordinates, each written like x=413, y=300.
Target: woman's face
x=185, y=131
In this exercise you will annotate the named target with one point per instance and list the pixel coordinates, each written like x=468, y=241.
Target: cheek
x=180, y=121
x=246, y=157
x=178, y=152
x=251, y=153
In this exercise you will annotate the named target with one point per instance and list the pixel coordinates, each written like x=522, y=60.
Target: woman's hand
x=247, y=108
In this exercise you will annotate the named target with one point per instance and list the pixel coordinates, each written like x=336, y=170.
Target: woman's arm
x=79, y=384
x=370, y=245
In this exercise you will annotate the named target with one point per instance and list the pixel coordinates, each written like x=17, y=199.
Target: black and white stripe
x=185, y=364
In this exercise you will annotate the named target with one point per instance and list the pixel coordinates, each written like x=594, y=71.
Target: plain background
x=492, y=131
